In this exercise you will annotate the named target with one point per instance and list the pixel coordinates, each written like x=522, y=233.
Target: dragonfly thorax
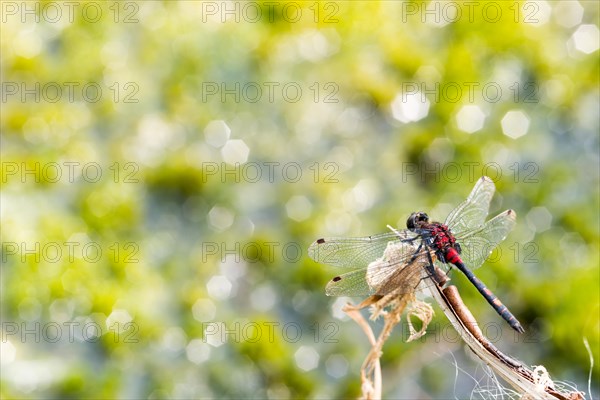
x=436, y=235
x=441, y=237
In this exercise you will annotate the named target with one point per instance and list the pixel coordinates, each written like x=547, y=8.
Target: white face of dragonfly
x=383, y=269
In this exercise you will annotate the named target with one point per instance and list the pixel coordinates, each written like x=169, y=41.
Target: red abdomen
x=452, y=256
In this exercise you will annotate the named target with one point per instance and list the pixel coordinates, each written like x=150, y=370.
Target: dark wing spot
x=337, y=279
x=321, y=241
x=509, y=212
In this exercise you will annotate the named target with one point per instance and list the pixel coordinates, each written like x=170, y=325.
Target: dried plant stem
x=371, y=381
x=532, y=384
x=370, y=373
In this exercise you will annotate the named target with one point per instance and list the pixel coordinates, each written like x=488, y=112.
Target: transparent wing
x=352, y=283
x=398, y=270
x=471, y=213
x=355, y=252
x=478, y=244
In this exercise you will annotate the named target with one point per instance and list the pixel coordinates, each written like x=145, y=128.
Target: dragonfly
x=396, y=262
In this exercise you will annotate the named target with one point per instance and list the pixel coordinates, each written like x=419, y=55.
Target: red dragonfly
x=396, y=262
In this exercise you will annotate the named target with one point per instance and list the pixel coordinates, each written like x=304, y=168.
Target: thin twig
x=589, y=350
x=371, y=382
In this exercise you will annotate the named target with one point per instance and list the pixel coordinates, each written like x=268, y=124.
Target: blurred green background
x=165, y=166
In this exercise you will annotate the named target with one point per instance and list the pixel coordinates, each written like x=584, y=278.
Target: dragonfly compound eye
x=422, y=217
x=415, y=220
x=411, y=222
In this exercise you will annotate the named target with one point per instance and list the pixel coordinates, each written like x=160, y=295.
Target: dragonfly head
x=416, y=219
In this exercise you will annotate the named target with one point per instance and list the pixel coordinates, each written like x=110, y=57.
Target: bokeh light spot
x=586, y=38
x=306, y=358
x=470, y=118
x=336, y=366
x=515, y=124
x=263, y=298
x=8, y=352
x=410, y=107
x=362, y=196
x=214, y=333
x=298, y=208
x=220, y=217
x=568, y=13
x=337, y=306
x=28, y=43
x=539, y=219
x=30, y=309
x=204, y=310
x=117, y=320
x=174, y=339
x=217, y=133
x=197, y=351
x=235, y=151
x=219, y=287
x=542, y=14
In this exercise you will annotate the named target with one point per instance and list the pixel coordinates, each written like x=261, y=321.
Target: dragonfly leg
x=440, y=256
x=438, y=276
x=416, y=253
